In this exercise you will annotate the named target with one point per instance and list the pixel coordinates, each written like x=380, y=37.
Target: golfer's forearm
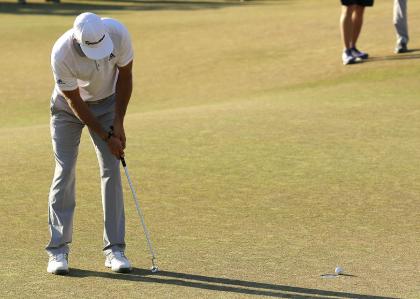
x=122, y=95
x=123, y=90
x=80, y=108
x=86, y=116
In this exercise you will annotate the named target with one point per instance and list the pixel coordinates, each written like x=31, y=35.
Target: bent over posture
x=92, y=65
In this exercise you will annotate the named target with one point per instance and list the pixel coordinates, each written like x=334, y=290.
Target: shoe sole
x=350, y=62
x=60, y=272
x=122, y=270
x=360, y=58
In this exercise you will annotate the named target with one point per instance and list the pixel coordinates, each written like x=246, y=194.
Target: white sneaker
x=58, y=264
x=348, y=57
x=118, y=262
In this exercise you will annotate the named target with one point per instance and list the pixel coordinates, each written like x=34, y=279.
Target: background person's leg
x=346, y=25
x=401, y=23
x=357, y=23
x=347, y=33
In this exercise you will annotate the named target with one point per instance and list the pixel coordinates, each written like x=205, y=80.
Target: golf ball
x=338, y=270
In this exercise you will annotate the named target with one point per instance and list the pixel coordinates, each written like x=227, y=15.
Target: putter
x=154, y=268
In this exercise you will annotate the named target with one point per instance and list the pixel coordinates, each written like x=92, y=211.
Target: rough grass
x=261, y=162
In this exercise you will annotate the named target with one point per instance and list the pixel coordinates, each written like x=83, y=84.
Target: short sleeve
x=126, y=48
x=64, y=79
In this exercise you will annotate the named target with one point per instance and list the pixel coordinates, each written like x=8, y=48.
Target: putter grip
x=123, y=162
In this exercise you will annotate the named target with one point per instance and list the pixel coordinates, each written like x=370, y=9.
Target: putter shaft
x=140, y=213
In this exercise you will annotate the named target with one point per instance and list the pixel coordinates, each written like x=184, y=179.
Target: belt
x=89, y=103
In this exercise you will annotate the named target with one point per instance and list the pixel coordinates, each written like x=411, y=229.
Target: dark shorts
x=357, y=2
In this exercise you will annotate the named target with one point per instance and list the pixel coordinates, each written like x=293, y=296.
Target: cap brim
x=102, y=50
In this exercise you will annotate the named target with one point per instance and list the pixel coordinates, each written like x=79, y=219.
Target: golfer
x=92, y=65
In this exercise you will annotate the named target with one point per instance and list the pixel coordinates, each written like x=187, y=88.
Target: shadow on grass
x=74, y=8
x=220, y=284
x=406, y=56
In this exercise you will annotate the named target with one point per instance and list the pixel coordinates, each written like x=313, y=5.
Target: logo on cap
x=91, y=33
x=95, y=43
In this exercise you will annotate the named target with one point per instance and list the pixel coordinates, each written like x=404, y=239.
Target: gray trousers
x=400, y=21
x=66, y=130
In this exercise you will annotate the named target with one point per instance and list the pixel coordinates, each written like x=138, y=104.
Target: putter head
x=154, y=269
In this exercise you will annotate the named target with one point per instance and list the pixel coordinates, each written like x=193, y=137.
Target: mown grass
x=261, y=162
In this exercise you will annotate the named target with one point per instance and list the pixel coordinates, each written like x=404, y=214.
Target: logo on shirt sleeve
x=60, y=82
x=111, y=56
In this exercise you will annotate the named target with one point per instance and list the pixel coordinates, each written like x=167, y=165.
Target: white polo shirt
x=96, y=79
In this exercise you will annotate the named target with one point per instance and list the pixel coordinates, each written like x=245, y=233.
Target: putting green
x=261, y=163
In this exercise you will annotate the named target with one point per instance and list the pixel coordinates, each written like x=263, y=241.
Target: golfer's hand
x=115, y=146
x=120, y=133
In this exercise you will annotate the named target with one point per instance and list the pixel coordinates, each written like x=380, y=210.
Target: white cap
x=90, y=33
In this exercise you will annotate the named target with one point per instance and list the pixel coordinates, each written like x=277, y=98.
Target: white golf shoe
x=118, y=262
x=348, y=57
x=58, y=264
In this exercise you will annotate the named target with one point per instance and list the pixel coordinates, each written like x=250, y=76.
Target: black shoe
x=401, y=48
x=359, y=54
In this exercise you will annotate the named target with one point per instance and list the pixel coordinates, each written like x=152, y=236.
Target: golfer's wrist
x=108, y=135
